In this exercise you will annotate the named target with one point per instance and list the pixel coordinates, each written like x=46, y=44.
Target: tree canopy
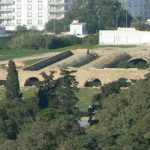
x=98, y=14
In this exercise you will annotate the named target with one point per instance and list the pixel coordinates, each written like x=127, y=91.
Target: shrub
x=4, y=42
x=91, y=40
x=139, y=65
x=36, y=40
x=29, y=40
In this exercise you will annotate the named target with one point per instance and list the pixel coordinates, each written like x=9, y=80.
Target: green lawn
x=28, y=92
x=85, y=95
x=13, y=53
x=10, y=54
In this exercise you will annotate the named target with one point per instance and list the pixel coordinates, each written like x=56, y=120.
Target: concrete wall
x=123, y=36
x=108, y=61
x=48, y=61
x=83, y=75
x=77, y=60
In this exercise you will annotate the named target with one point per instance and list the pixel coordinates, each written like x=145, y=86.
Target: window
x=19, y=14
x=29, y=21
x=18, y=21
x=29, y=6
x=19, y=6
x=40, y=22
x=29, y=14
x=40, y=7
x=40, y=14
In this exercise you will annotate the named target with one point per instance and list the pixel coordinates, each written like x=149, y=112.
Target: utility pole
x=116, y=16
x=126, y=17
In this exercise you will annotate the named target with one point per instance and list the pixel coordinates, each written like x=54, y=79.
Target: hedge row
x=37, y=40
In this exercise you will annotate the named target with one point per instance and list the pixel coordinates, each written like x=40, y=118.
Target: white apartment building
x=31, y=13
x=58, y=8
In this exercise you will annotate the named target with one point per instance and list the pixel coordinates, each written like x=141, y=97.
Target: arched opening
x=140, y=63
x=138, y=60
x=31, y=81
x=2, y=82
x=124, y=82
x=93, y=83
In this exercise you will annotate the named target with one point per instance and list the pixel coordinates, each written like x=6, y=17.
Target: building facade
x=58, y=8
x=31, y=13
x=137, y=7
x=78, y=29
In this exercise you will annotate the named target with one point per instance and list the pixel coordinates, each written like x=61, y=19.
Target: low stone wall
x=49, y=61
x=83, y=75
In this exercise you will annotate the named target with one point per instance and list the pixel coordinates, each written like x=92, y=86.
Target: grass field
x=13, y=53
x=85, y=96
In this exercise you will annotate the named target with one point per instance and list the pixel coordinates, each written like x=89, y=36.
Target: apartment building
x=137, y=7
x=58, y=8
x=31, y=13
x=6, y=12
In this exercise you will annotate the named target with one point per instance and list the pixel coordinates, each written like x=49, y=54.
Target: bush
x=91, y=40
x=36, y=40
x=139, y=65
x=29, y=40
x=4, y=42
x=54, y=26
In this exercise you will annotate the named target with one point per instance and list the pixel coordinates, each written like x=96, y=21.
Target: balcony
x=6, y=2
x=6, y=17
x=6, y=10
x=57, y=10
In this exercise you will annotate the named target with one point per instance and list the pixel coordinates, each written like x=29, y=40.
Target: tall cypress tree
x=12, y=82
x=67, y=92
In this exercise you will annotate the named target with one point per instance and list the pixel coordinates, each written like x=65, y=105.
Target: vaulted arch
x=93, y=83
x=31, y=81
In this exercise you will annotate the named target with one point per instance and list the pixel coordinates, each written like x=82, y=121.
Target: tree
x=98, y=14
x=46, y=91
x=140, y=24
x=66, y=91
x=54, y=26
x=59, y=93
x=50, y=135
x=12, y=116
x=12, y=82
x=124, y=118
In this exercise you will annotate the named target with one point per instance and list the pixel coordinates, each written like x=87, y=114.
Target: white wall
x=123, y=37
x=78, y=29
